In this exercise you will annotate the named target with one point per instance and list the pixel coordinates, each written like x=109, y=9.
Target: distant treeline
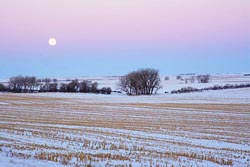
x=199, y=78
x=26, y=84
x=215, y=87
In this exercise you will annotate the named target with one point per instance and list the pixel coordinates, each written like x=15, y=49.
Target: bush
x=109, y=90
x=106, y=90
x=178, y=77
x=85, y=86
x=2, y=88
x=203, y=78
x=215, y=87
x=185, y=90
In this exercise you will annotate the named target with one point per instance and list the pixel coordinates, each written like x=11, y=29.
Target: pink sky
x=112, y=26
x=166, y=23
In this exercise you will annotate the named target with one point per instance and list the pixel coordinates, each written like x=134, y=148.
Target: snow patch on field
x=237, y=96
x=6, y=161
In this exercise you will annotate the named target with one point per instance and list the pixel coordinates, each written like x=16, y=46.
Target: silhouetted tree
x=141, y=82
x=106, y=90
x=73, y=86
x=178, y=77
x=94, y=87
x=85, y=86
x=63, y=87
x=46, y=85
x=53, y=87
x=109, y=90
x=124, y=85
x=203, y=78
x=15, y=84
x=32, y=83
x=20, y=84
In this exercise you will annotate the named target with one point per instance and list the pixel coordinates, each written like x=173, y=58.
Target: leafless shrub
x=185, y=90
x=203, y=78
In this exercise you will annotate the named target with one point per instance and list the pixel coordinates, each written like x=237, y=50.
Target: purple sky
x=111, y=37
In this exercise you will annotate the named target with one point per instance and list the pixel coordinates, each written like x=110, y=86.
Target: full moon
x=52, y=41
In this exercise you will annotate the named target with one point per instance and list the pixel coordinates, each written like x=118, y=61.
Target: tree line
x=26, y=84
x=141, y=82
x=199, y=78
x=215, y=87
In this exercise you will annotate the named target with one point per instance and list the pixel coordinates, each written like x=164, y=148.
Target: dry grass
x=60, y=120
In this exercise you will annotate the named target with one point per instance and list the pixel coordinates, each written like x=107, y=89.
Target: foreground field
x=95, y=130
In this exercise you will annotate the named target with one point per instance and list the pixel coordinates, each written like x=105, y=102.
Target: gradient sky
x=113, y=37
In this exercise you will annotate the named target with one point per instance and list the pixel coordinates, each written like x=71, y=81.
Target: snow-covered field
x=72, y=129
x=173, y=83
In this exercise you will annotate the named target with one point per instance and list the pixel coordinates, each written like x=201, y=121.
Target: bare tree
x=109, y=90
x=45, y=87
x=124, y=85
x=53, y=87
x=94, y=87
x=153, y=81
x=203, y=78
x=13, y=84
x=20, y=84
x=106, y=90
x=63, y=87
x=32, y=83
x=73, y=86
x=16, y=84
x=2, y=87
x=141, y=82
x=178, y=77
x=85, y=86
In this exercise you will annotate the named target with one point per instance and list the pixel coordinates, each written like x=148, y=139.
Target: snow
x=6, y=161
x=228, y=96
x=173, y=83
x=3, y=103
x=241, y=95
x=71, y=123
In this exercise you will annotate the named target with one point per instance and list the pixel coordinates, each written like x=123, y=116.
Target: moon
x=52, y=41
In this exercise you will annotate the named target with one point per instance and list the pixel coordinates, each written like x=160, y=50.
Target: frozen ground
x=196, y=129
x=219, y=96
x=173, y=83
